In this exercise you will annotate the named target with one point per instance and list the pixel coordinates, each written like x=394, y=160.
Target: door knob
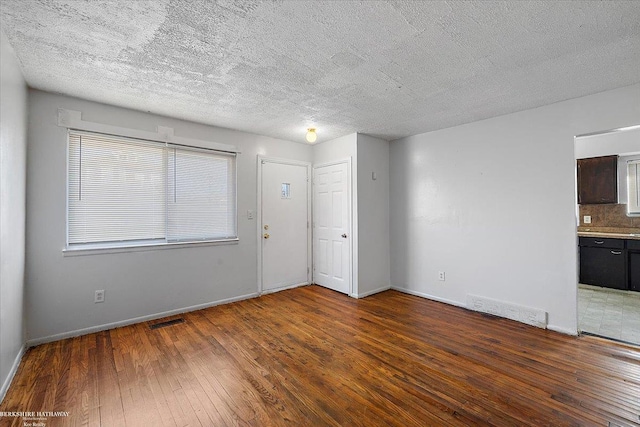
x=266, y=235
x=344, y=236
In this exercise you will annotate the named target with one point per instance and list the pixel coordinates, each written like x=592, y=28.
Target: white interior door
x=284, y=225
x=332, y=227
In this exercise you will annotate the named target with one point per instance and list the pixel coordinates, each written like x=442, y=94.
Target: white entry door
x=284, y=231
x=332, y=227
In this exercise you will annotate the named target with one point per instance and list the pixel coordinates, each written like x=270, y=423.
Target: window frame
x=633, y=200
x=149, y=244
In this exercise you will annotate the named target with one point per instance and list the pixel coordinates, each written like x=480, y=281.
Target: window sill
x=96, y=250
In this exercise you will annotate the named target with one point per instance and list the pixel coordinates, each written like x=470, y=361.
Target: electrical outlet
x=441, y=275
x=249, y=214
x=99, y=296
x=586, y=219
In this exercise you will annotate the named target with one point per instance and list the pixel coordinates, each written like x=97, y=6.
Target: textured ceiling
x=384, y=68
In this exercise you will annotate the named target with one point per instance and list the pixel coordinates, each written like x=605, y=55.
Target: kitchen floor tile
x=609, y=312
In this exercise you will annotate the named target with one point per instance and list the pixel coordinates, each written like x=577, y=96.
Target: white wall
x=492, y=204
x=621, y=142
x=60, y=290
x=373, y=215
x=13, y=148
x=342, y=148
x=336, y=149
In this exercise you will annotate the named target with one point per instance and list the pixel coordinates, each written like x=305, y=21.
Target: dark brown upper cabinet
x=598, y=180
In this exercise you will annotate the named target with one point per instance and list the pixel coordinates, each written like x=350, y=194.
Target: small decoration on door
x=285, y=193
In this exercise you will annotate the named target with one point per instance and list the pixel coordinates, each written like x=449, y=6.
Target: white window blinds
x=131, y=191
x=202, y=197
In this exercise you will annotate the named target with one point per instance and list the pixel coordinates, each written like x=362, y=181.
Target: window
x=127, y=192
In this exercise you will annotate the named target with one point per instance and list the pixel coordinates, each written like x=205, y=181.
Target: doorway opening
x=608, y=234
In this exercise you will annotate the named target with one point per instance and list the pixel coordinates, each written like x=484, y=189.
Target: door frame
x=353, y=264
x=307, y=165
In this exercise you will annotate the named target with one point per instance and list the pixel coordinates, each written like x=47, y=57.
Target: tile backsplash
x=610, y=218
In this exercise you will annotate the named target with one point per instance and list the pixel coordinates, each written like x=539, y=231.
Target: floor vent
x=167, y=323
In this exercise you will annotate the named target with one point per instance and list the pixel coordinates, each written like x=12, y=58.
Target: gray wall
x=13, y=164
x=492, y=203
x=60, y=289
x=373, y=215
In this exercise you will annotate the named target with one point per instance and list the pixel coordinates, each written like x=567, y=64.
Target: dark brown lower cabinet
x=603, y=267
x=634, y=271
x=611, y=263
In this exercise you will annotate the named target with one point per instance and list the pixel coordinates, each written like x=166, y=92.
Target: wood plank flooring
x=313, y=357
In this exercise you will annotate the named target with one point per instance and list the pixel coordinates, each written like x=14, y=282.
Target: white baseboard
x=104, y=327
x=12, y=373
x=427, y=296
x=284, y=288
x=375, y=291
x=562, y=330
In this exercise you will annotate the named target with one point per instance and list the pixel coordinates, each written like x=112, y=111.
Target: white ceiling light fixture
x=311, y=135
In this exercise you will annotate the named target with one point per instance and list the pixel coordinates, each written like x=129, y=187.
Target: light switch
x=374, y=176
x=587, y=219
x=249, y=214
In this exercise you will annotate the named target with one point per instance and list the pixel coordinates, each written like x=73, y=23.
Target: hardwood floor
x=313, y=357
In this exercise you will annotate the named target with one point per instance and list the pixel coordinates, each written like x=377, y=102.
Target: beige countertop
x=608, y=235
